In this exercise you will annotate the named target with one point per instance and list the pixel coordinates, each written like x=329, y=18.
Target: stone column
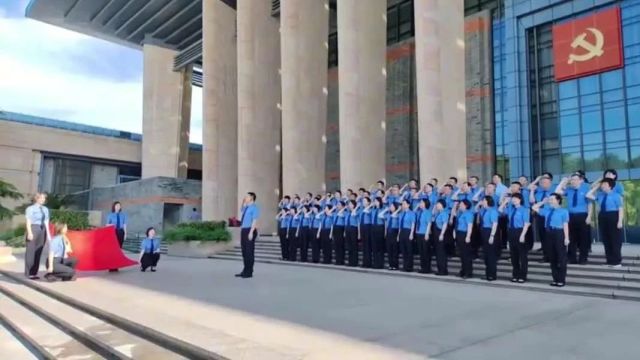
x=166, y=115
x=258, y=114
x=440, y=88
x=304, y=30
x=219, y=112
x=362, y=48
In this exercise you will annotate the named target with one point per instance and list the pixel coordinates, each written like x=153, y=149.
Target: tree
x=8, y=191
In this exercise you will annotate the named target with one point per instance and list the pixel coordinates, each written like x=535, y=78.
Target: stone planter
x=203, y=249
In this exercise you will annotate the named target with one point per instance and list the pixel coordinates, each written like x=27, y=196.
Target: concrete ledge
x=203, y=249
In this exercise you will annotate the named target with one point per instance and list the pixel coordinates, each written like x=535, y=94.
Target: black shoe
x=560, y=284
x=246, y=276
x=514, y=280
x=50, y=278
x=113, y=270
x=491, y=279
x=153, y=269
x=143, y=269
x=34, y=277
x=522, y=281
x=240, y=275
x=554, y=284
x=442, y=274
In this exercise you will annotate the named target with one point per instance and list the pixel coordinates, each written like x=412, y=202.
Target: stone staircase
x=132, y=244
x=594, y=279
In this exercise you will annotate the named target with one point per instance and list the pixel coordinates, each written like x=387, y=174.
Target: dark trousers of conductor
x=151, y=260
x=406, y=249
x=352, y=245
x=441, y=252
x=303, y=243
x=339, y=237
x=579, y=238
x=392, y=248
x=557, y=255
x=325, y=242
x=425, y=253
x=466, y=254
x=611, y=236
x=33, y=251
x=284, y=243
x=367, y=249
x=378, y=245
x=542, y=237
x=519, y=254
x=490, y=254
x=248, y=246
x=293, y=244
x=64, y=269
x=315, y=245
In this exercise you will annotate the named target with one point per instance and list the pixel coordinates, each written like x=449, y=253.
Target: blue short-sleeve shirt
x=37, y=214
x=612, y=201
x=577, y=201
x=249, y=214
x=340, y=218
x=555, y=218
x=327, y=221
x=464, y=218
x=423, y=220
x=150, y=245
x=354, y=218
x=441, y=219
x=118, y=218
x=56, y=247
x=518, y=217
x=393, y=221
x=489, y=217
x=407, y=219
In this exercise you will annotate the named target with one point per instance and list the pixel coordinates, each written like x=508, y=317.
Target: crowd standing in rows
x=457, y=219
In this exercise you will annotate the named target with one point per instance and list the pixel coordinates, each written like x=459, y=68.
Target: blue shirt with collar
x=56, y=247
x=150, y=246
x=327, y=221
x=448, y=200
x=619, y=188
x=518, y=217
x=407, y=219
x=525, y=197
x=284, y=221
x=501, y=189
x=37, y=214
x=296, y=221
x=423, y=220
x=393, y=221
x=354, y=218
x=317, y=220
x=554, y=218
x=112, y=219
x=541, y=194
x=340, y=218
x=376, y=219
x=249, y=214
x=489, y=216
x=367, y=216
x=307, y=219
x=613, y=201
x=464, y=218
x=415, y=202
x=441, y=219
x=581, y=204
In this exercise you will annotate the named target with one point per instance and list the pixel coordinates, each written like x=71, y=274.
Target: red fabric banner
x=98, y=249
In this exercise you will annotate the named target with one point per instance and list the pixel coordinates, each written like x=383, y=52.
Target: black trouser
x=441, y=252
x=449, y=239
x=529, y=237
x=425, y=253
x=352, y=245
x=303, y=243
x=338, y=236
x=542, y=236
x=151, y=260
x=466, y=254
x=293, y=244
x=501, y=234
x=579, y=238
x=557, y=255
x=366, y=245
x=64, y=268
x=325, y=240
x=248, y=246
x=392, y=248
x=284, y=243
x=490, y=254
x=377, y=245
x=519, y=254
x=33, y=251
x=315, y=246
x=406, y=249
x=611, y=236
x=120, y=236
x=476, y=238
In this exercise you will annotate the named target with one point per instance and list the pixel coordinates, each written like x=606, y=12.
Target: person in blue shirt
x=538, y=193
x=326, y=229
x=519, y=220
x=248, y=233
x=428, y=192
x=60, y=265
x=393, y=195
x=118, y=219
x=149, y=251
x=37, y=234
x=610, y=207
x=366, y=227
x=392, y=221
x=464, y=230
x=305, y=233
x=447, y=196
x=353, y=233
x=613, y=175
x=501, y=188
x=453, y=181
x=488, y=228
x=314, y=239
x=293, y=232
x=285, y=203
x=440, y=224
x=377, y=233
x=339, y=225
x=283, y=218
x=423, y=227
x=405, y=237
x=580, y=214
x=556, y=220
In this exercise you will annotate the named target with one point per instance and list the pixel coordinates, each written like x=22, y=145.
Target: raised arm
x=562, y=186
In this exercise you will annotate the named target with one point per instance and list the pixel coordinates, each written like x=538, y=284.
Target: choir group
x=457, y=220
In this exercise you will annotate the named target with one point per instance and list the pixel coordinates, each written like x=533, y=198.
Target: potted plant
x=199, y=239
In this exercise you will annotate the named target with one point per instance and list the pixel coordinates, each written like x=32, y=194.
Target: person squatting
x=464, y=220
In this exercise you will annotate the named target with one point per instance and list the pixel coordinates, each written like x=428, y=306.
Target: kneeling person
x=60, y=265
x=149, y=251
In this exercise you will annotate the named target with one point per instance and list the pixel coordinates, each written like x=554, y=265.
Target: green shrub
x=16, y=242
x=215, y=231
x=75, y=220
x=13, y=233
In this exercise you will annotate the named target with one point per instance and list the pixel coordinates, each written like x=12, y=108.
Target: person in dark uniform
x=305, y=234
x=610, y=218
x=438, y=229
x=537, y=195
x=405, y=238
x=464, y=230
x=314, y=237
x=248, y=233
x=149, y=251
x=326, y=230
x=580, y=215
x=37, y=234
x=519, y=221
x=557, y=226
x=283, y=219
x=293, y=232
x=365, y=231
x=60, y=265
x=339, y=228
x=423, y=228
x=392, y=231
x=353, y=234
x=377, y=233
x=488, y=227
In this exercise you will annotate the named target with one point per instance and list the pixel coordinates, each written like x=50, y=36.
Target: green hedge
x=14, y=237
x=75, y=220
x=215, y=231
